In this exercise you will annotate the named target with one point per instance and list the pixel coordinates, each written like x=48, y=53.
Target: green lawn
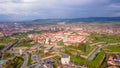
x=98, y=60
x=60, y=43
x=83, y=49
x=25, y=43
x=41, y=52
x=7, y=40
x=20, y=35
x=56, y=63
x=91, y=64
x=105, y=38
x=74, y=48
x=29, y=60
x=113, y=48
x=25, y=34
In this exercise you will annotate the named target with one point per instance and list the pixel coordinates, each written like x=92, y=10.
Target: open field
x=92, y=64
x=105, y=38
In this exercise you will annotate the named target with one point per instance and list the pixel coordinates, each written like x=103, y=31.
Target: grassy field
x=25, y=34
x=83, y=49
x=56, y=63
x=91, y=64
x=113, y=48
x=20, y=35
x=6, y=40
x=60, y=43
x=29, y=60
x=25, y=43
x=98, y=60
x=7, y=55
x=41, y=52
x=15, y=63
x=105, y=38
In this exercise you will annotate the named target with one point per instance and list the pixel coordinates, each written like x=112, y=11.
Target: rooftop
x=65, y=56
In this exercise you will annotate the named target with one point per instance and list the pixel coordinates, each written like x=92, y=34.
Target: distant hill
x=97, y=19
x=89, y=19
x=73, y=20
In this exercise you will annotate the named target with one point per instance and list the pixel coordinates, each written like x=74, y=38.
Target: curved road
x=25, y=60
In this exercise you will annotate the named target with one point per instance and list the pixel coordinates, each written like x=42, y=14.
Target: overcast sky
x=39, y=9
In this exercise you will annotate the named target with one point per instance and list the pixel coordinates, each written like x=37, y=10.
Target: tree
x=60, y=43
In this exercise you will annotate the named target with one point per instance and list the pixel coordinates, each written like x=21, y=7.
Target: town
x=60, y=45
x=59, y=33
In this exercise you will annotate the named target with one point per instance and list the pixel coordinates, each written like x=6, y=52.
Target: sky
x=15, y=10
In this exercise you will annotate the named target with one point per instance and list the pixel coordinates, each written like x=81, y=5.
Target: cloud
x=13, y=6
x=115, y=6
x=57, y=8
x=10, y=1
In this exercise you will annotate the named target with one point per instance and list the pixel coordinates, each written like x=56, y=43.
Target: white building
x=30, y=35
x=65, y=59
x=20, y=51
x=47, y=41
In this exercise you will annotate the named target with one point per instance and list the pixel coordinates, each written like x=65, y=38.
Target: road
x=25, y=57
x=9, y=46
x=39, y=62
x=100, y=46
x=95, y=53
x=50, y=56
